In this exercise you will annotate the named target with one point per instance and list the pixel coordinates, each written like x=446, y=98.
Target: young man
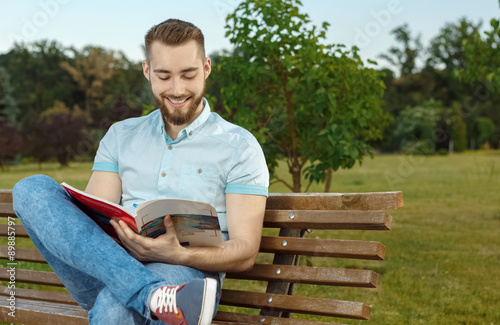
x=181, y=150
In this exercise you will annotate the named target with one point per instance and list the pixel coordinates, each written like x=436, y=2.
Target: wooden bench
x=276, y=271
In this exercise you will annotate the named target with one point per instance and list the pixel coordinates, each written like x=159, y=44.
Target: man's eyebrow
x=159, y=70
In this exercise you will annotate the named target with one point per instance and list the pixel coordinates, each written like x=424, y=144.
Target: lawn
x=443, y=252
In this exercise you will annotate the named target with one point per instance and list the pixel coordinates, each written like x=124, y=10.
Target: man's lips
x=177, y=103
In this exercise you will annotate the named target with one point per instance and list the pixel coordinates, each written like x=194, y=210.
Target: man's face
x=177, y=77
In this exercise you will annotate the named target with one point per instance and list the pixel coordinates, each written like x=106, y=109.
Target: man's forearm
x=232, y=256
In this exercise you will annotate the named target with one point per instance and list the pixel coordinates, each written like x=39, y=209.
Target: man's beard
x=176, y=116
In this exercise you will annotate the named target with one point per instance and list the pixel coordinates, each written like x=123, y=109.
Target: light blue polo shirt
x=209, y=158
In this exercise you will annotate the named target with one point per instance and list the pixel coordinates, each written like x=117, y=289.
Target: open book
x=196, y=223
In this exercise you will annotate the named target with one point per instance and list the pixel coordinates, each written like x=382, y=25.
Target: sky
x=122, y=24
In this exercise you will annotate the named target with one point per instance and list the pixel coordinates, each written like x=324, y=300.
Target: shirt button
x=191, y=133
x=199, y=171
x=163, y=174
x=170, y=147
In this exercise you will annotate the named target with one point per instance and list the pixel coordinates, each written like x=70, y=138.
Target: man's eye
x=164, y=78
x=190, y=76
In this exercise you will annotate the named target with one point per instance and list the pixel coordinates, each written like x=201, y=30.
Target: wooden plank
x=31, y=276
x=335, y=201
x=23, y=254
x=18, y=230
x=358, y=249
x=309, y=275
x=296, y=304
x=33, y=312
x=314, y=201
x=324, y=219
x=6, y=210
x=237, y=318
x=5, y=196
x=48, y=296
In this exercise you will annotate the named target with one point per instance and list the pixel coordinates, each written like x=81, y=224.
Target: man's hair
x=174, y=32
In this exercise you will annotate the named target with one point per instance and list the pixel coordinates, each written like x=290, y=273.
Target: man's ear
x=207, y=67
x=145, y=69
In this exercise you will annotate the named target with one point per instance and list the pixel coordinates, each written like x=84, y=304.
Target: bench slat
x=295, y=304
x=18, y=229
x=310, y=275
x=358, y=249
x=353, y=220
x=33, y=312
x=23, y=254
x=5, y=196
x=32, y=276
x=323, y=219
x=235, y=318
x=48, y=296
x=314, y=201
x=335, y=201
x=6, y=210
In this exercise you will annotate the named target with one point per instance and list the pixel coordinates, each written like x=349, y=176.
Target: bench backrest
x=268, y=289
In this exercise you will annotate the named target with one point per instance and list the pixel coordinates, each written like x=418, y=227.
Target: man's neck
x=172, y=130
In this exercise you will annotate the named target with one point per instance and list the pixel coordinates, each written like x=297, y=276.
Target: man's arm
x=245, y=214
x=106, y=185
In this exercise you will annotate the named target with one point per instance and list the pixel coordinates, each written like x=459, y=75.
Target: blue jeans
x=100, y=274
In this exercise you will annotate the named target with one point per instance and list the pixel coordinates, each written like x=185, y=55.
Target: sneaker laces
x=167, y=300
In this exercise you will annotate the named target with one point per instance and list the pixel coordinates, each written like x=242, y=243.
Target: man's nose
x=177, y=87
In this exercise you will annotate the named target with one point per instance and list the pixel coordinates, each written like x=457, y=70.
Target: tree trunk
x=295, y=171
x=328, y=183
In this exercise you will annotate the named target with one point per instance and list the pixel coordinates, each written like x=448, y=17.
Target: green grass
x=443, y=252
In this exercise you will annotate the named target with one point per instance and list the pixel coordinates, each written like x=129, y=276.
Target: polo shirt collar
x=192, y=129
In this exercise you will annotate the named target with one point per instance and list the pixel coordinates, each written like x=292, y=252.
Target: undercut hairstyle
x=175, y=32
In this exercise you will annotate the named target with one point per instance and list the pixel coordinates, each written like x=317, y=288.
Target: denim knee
x=32, y=185
x=28, y=189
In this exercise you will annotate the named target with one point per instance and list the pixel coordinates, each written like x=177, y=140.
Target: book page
x=196, y=223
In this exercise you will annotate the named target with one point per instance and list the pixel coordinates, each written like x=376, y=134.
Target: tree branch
x=308, y=186
x=279, y=180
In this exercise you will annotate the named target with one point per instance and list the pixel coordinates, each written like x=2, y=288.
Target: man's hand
x=165, y=248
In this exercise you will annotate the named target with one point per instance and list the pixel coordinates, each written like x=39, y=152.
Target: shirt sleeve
x=106, y=158
x=249, y=174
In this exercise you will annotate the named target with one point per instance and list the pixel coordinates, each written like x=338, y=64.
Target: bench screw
x=262, y=320
x=284, y=243
x=292, y=215
x=277, y=272
x=269, y=300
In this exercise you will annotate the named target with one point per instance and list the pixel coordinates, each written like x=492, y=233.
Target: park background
x=426, y=107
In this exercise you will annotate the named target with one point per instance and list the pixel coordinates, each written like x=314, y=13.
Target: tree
x=58, y=133
x=446, y=54
x=482, y=130
x=417, y=128
x=483, y=65
x=9, y=110
x=458, y=129
x=36, y=78
x=404, y=57
x=313, y=105
x=483, y=57
x=92, y=67
x=10, y=143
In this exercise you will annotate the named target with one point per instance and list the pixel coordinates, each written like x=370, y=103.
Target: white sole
x=208, y=304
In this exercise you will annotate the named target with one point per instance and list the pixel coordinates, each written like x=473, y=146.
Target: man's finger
x=168, y=223
x=127, y=232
